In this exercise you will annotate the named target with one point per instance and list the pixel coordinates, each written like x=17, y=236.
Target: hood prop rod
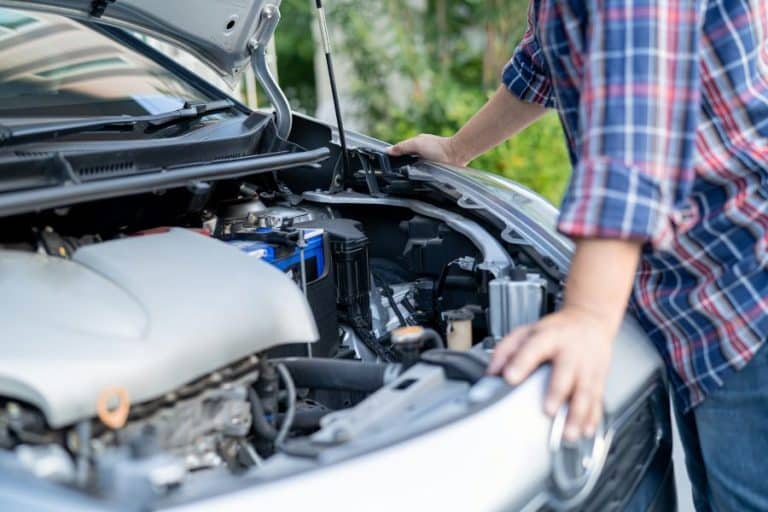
x=338, y=179
x=269, y=18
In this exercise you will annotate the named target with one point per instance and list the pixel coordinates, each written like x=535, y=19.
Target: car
x=208, y=307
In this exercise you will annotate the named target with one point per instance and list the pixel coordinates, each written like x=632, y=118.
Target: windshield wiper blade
x=42, y=131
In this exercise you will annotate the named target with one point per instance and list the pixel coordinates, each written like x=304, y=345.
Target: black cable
x=360, y=326
x=258, y=418
x=387, y=291
x=440, y=286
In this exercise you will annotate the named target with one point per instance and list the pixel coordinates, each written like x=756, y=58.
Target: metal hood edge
x=219, y=32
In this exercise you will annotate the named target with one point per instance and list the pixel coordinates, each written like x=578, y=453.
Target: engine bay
x=286, y=322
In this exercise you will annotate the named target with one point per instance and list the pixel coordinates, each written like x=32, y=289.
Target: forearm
x=500, y=118
x=600, y=279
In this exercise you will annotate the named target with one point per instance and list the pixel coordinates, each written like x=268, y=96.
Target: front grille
x=632, y=450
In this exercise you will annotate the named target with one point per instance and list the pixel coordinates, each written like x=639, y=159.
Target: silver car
x=212, y=308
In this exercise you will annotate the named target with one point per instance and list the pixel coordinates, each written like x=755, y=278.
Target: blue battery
x=289, y=261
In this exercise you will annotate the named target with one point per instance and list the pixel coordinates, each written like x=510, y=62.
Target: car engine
x=135, y=358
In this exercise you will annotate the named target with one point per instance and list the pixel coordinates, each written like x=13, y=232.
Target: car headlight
x=576, y=466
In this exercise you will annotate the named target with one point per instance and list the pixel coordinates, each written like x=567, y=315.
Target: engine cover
x=147, y=313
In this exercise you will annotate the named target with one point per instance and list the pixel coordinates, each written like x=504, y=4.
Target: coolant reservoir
x=459, y=331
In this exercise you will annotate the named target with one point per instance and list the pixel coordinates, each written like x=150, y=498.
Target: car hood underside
x=217, y=31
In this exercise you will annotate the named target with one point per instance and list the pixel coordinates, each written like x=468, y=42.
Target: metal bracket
x=375, y=164
x=468, y=203
x=99, y=6
x=394, y=400
x=268, y=20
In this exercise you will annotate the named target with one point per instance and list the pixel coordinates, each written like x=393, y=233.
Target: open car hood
x=216, y=31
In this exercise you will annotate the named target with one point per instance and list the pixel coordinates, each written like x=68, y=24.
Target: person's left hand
x=578, y=343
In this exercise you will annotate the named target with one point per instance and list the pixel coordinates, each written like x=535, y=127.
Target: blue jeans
x=726, y=442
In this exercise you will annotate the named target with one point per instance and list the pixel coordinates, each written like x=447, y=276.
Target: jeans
x=726, y=442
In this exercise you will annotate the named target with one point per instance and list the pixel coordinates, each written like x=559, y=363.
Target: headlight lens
x=576, y=466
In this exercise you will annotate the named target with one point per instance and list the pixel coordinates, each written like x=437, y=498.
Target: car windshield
x=52, y=67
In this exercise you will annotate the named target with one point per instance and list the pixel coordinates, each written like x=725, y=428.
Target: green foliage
x=537, y=158
x=427, y=71
x=296, y=49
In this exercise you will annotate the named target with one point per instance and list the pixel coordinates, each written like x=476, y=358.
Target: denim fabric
x=726, y=442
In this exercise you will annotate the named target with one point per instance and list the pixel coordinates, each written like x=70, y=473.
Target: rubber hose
x=290, y=411
x=260, y=423
x=434, y=337
x=339, y=374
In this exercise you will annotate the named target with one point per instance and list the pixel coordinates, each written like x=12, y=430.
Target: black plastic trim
x=40, y=199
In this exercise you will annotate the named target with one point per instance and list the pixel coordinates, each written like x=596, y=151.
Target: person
x=664, y=105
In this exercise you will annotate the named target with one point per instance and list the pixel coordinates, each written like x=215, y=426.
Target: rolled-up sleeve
x=639, y=106
x=525, y=74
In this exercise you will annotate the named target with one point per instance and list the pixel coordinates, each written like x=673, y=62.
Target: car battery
x=279, y=248
x=284, y=255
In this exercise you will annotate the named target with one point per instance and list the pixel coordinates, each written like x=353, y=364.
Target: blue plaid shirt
x=664, y=104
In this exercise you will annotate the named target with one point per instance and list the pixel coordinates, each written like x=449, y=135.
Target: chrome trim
x=572, y=493
x=324, y=37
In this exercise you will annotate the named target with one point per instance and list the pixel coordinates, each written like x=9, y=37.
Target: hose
x=259, y=420
x=290, y=412
x=434, y=337
x=339, y=374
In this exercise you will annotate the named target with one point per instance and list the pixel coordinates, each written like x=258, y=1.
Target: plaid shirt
x=664, y=104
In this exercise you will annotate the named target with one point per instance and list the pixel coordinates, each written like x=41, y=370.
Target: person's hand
x=430, y=147
x=578, y=343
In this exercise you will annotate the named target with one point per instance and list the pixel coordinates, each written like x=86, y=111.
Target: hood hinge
x=268, y=19
x=99, y=6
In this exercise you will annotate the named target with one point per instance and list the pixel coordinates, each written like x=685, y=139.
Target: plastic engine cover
x=147, y=314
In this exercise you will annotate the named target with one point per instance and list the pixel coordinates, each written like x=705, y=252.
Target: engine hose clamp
x=113, y=406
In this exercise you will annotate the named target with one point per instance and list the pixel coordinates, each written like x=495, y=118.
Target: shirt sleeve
x=525, y=75
x=640, y=100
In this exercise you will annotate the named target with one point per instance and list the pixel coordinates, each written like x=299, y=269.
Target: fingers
x=406, y=147
x=579, y=369
x=586, y=409
x=594, y=419
x=598, y=383
x=578, y=413
x=536, y=350
x=506, y=348
x=561, y=384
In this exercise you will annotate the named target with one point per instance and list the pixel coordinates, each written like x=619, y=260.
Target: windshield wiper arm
x=42, y=131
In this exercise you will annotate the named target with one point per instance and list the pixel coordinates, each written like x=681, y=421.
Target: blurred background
x=411, y=66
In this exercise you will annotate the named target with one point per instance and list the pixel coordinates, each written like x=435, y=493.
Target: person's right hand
x=429, y=147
